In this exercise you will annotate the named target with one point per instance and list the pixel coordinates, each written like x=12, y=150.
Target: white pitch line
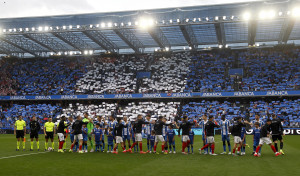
x=6, y=157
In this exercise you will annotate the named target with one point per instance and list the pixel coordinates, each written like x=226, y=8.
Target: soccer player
x=243, y=137
x=49, y=132
x=110, y=139
x=256, y=137
x=171, y=139
x=132, y=135
x=138, y=127
x=71, y=121
x=202, y=125
x=158, y=127
x=112, y=122
x=34, y=133
x=225, y=134
x=209, y=135
x=152, y=141
x=98, y=137
x=60, y=132
x=191, y=136
x=164, y=134
x=126, y=132
x=265, y=138
x=90, y=127
x=257, y=119
x=118, y=130
x=77, y=131
x=236, y=132
x=277, y=132
x=85, y=137
x=20, y=132
x=103, y=128
x=185, y=126
x=149, y=129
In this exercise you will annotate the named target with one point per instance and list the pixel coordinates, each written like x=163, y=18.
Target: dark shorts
x=34, y=135
x=49, y=135
x=19, y=134
x=276, y=137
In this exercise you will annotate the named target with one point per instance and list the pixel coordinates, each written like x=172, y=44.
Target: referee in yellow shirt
x=49, y=132
x=20, y=132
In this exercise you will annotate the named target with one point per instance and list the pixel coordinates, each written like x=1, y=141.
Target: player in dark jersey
x=34, y=133
x=60, y=132
x=265, y=138
x=209, y=134
x=158, y=128
x=138, y=127
x=77, y=131
x=185, y=126
x=277, y=132
x=118, y=131
x=237, y=132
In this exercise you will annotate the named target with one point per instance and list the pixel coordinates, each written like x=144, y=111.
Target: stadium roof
x=229, y=25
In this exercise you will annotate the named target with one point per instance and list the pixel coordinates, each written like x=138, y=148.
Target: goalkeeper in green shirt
x=90, y=127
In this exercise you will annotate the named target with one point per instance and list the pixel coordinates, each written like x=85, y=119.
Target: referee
x=49, y=132
x=34, y=133
x=20, y=132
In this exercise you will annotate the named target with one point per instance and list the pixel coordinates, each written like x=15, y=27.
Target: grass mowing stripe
x=14, y=156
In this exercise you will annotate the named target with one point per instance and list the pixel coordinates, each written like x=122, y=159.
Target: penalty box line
x=15, y=156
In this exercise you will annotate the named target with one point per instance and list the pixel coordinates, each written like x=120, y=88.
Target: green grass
x=53, y=163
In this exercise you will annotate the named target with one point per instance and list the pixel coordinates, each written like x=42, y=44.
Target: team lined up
x=121, y=130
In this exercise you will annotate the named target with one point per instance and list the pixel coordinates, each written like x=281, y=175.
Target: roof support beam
x=130, y=39
x=38, y=42
x=220, y=31
x=18, y=46
x=252, y=27
x=189, y=36
x=100, y=39
x=73, y=40
x=159, y=37
x=286, y=30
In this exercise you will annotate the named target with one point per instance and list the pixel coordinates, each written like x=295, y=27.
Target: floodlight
x=109, y=24
x=15, y=30
x=257, y=44
x=226, y=46
x=40, y=28
x=129, y=23
x=296, y=12
x=155, y=49
x=246, y=16
x=71, y=53
x=27, y=29
x=91, y=26
x=271, y=14
x=70, y=26
x=232, y=17
x=51, y=53
x=178, y=20
x=4, y=30
x=122, y=24
x=86, y=52
x=195, y=19
x=64, y=27
x=187, y=20
x=163, y=21
x=280, y=13
x=78, y=26
x=184, y=48
x=136, y=23
x=102, y=25
x=59, y=53
x=216, y=18
x=46, y=28
x=207, y=19
x=190, y=48
x=167, y=48
x=224, y=17
x=199, y=19
x=171, y=21
x=33, y=28
x=20, y=29
x=66, y=53
x=9, y=30
x=115, y=24
x=220, y=46
x=91, y=52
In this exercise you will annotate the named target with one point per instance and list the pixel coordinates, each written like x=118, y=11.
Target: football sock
x=103, y=144
x=133, y=145
x=148, y=145
x=53, y=145
x=273, y=148
x=174, y=148
x=276, y=147
x=72, y=146
x=192, y=148
x=64, y=145
x=46, y=145
x=162, y=147
x=205, y=146
x=233, y=151
x=38, y=145
x=281, y=145
x=254, y=148
x=224, y=146
x=92, y=145
x=31, y=145
x=170, y=147
x=155, y=148
x=23, y=143
x=188, y=149
x=141, y=146
x=229, y=146
x=18, y=145
x=183, y=146
x=257, y=149
x=80, y=147
x=213, y=148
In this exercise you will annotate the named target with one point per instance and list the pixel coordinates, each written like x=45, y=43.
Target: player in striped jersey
x=257, y=119
x=202, y=124
x=112, y=122
x=126, y=132
x=164, y=134
x=149, y=128
x=225, y=134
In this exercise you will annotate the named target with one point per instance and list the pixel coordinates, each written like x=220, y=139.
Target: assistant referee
x=20, y=132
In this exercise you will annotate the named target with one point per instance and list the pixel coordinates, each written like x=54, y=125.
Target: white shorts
x=210, y=139
x=138, y=137
x=119, y=139
x=61, y=136
x=159, y=138
x=78, y=137
x=265, y=140
x=237, y=139
x=185, y=138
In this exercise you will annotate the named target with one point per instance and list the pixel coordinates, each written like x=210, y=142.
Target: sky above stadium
x=28, y=8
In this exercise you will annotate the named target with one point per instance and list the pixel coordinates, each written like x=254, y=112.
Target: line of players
x=119, y=131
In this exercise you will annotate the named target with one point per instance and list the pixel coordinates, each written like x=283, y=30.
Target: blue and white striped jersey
x=126, y=129
x=224, y=127
x=202, y=124
x=149, y=128
x=261, y=123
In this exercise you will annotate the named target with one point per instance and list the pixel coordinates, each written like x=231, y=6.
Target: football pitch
x=33, y=163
